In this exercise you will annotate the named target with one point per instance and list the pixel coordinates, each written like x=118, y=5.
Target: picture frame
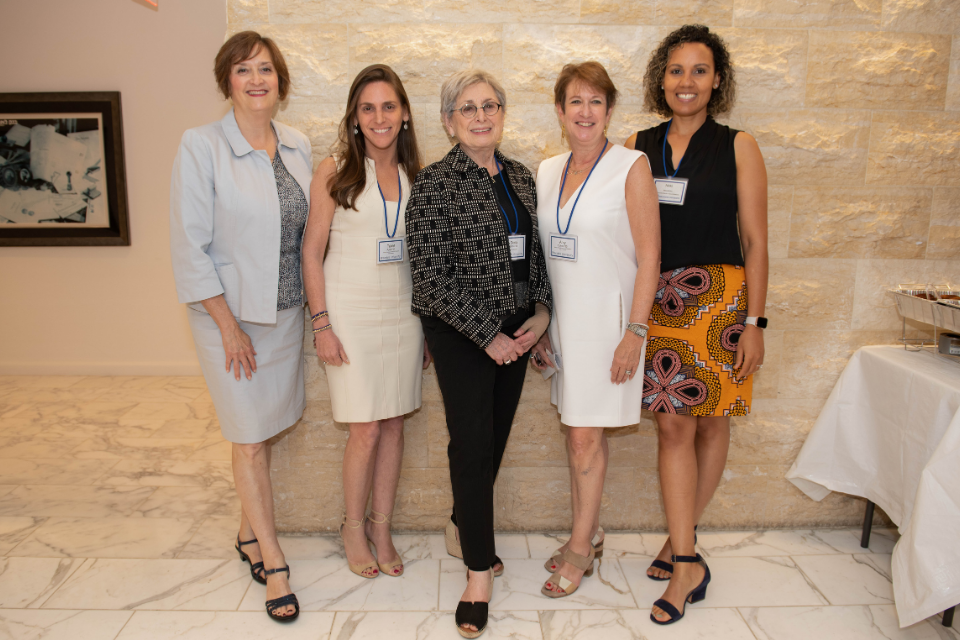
x=62, y=170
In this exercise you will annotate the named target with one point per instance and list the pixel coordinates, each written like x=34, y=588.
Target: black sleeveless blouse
x=704, y=229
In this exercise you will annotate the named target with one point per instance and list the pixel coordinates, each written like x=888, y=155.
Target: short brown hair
x=243, y=46
x=590, y=73
x=721, y=99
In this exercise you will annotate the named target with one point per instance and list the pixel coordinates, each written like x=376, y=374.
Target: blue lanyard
x=582, y=187
x=396, y=222
x=663, y=153
x=516, y=227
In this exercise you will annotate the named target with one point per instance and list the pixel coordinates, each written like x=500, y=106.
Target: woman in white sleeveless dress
x=360, y=293
x=600, y=229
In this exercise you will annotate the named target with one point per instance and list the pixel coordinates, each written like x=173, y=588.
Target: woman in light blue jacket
x=239, y=199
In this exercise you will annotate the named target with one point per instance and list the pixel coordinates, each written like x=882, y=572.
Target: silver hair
x=460, y=81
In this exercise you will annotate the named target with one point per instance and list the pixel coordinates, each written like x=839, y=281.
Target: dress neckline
x=577, y=190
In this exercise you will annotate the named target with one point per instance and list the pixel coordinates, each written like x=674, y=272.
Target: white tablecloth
x=890, y=433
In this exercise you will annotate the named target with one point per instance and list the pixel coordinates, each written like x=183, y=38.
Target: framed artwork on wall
x=62, y=170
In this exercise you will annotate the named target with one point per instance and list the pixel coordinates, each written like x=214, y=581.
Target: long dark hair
x=351, y=177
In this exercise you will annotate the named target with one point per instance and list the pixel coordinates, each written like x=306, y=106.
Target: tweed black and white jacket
x=459, y=254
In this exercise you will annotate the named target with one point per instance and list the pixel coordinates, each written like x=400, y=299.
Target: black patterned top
x=293, y=218
x=459, y=255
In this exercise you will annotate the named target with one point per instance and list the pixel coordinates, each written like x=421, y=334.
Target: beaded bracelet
x=323, y=328
x=318, y=316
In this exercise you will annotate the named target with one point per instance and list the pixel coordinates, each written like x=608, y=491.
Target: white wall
x=110, y=310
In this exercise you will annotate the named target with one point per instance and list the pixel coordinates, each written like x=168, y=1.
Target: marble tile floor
x=117, y=517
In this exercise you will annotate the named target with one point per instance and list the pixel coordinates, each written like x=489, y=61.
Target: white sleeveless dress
x=592, y=297
x=369, y=306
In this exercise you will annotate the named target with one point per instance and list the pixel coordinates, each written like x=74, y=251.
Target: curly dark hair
x=721, y=100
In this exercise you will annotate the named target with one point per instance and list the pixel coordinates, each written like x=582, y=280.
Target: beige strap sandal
x=553, y=563
x=368, y=570
x=564, y=586
x=394, y=568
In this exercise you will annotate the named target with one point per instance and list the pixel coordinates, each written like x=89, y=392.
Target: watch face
x=762, y=323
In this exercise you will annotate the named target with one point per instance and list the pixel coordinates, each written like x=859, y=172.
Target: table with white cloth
x=890, y=433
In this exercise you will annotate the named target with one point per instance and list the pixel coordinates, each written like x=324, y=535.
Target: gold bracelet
x=323, y=328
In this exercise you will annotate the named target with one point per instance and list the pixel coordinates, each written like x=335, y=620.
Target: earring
x=356, y=130
x=605, y=127
x=405, y=126
x=563, y=134
x=716, y=85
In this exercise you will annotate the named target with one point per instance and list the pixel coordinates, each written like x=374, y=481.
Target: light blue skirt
x=254, y=410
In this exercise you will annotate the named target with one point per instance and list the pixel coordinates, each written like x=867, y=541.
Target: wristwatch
x=638, y=328
x=758, y=321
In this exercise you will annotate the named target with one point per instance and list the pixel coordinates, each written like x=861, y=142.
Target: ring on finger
x=507, y=361
x=629, y=372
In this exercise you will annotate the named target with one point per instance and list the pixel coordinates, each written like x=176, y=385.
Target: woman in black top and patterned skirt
x=706, y=332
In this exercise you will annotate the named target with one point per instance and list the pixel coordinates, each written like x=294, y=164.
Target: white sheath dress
x=369, y=307
x=592, y=296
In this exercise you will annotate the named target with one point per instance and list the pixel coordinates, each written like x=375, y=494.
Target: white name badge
x=518, y=247
x=563, y=247
x=389, y=250
x=671, y=190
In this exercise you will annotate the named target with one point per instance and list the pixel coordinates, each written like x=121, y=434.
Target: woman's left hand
x=626, y=359
x=427, y=358
x=749, y=352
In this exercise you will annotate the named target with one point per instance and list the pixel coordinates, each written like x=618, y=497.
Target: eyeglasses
x=468, y=111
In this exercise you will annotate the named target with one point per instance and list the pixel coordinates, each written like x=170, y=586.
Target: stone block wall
x=856, y=107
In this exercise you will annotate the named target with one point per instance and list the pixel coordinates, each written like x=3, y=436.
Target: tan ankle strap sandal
x=368, y=570
x=394, y=568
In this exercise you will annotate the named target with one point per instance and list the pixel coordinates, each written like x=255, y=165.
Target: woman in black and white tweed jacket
x=481, y=289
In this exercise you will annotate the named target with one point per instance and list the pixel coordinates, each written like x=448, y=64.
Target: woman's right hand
x=504, y=350
x=330, y=349
x=542, y=352
x=239, y=351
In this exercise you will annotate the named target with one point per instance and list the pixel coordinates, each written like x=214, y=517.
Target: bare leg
x=678, y=482
x=251, y=473
x=575, y=497
x=588, y=469
x=358, y=462
x=386, y=476
x=712, y=443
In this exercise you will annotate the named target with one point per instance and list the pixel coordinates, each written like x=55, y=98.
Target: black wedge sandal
x=666, y=566
x=282, y=601
x=698, y=593
x=255, y=567
x=474, y=613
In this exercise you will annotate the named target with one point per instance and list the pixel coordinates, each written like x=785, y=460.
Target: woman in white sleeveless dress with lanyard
x=360, y=293
x=600, y=230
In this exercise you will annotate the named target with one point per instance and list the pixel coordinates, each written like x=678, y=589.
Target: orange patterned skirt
x=697, y=319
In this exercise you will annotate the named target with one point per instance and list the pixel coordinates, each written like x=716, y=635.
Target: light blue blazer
x=225, y=216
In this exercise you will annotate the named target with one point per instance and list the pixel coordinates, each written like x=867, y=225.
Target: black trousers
x=480, y=398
